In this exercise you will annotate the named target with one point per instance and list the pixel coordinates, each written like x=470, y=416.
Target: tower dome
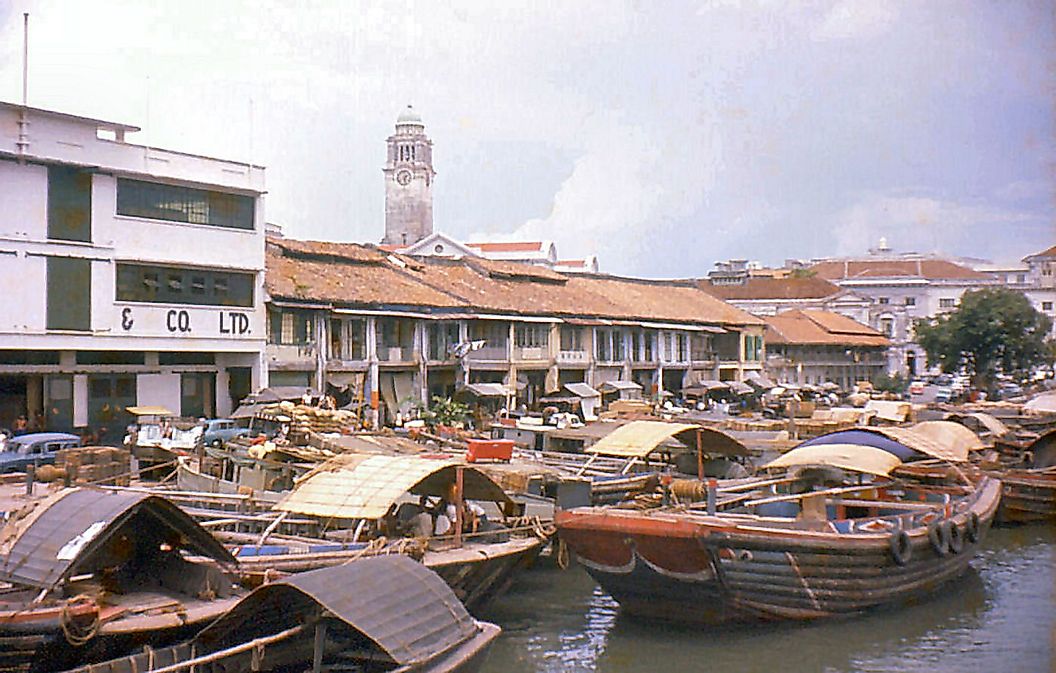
x=408, y=116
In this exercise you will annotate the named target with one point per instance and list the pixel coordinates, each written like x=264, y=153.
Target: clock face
x=403, y=177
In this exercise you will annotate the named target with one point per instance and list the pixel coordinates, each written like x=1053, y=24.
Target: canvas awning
x=991, y=424
x=895, y=412
x=741, y=388
x=942, y=448
x=486, y=390
x=401, y=606
x=581, y=390
x=65, y=533
x=613, y=386
x=638, y=439
x=149, y=411
x=712, y=384
x=854, y=457
x=365, y=486
x=759, y=381
x=954, y=435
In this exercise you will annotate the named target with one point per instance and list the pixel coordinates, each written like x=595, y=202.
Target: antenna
x=25, y=59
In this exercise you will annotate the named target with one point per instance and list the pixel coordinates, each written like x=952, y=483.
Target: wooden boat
x=1027, y=469
x=347, y=508
x=92, y=573
x=380, y=614
x=804, y=554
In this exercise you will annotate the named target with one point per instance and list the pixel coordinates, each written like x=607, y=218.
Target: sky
x=662, y=136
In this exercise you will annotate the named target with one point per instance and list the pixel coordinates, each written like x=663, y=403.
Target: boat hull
x=716, y=569
x=1027, y=497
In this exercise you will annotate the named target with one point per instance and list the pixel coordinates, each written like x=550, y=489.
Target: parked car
x=916, y=388
x=38, y=448
x=220, y=430
x=944, y=394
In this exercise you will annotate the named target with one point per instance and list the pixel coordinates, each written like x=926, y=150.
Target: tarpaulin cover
x=854, y=457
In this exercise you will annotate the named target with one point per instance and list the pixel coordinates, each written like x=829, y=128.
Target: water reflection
x=998, y=617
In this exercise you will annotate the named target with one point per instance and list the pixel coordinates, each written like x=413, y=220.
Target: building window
x=493, y=333
x=1046, y=306
x=395, y=333
x=140, y=283
x=753, y=348
x=571, y=338
x=603, y=346
x=69, y=204
x=1021, y=278
x=887, y=326
x=681, y=347
x=532, y=335
x=69, y=293
x=699, y=347
x=947, y=302
x=443, y=337
x=650, y=345
x=172, y=203
x=882, y=300
x=290, y=327
x=911, y=301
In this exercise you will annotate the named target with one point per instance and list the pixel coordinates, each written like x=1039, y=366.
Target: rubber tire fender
x=939, y=538
x=971, y=527
x=954, y=537
x=900, y=546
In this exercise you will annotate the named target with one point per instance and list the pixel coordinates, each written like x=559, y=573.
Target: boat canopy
x=920, y=442
x=78, y=531
x=638, y=439
x=401, y=606
x=950, y=434
x=990, y=423
x=365, y=486
x=854, y=457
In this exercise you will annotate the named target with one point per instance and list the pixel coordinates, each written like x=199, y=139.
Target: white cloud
x=922, y=224
x=850, y=19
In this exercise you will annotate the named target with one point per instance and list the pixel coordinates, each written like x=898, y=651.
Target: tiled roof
x=773, y=288
x=931, y=269
x=351, y=275
x=810, y=327
x=1051, y=252
x=572, y=262
x=508, y=246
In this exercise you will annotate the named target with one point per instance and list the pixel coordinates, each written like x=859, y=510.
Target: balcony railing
x=488, y=353
x=530, y=353
x=572, y=357
x=396, y=353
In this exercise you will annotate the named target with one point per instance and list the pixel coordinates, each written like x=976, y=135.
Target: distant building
x=409, y=178
x=814, y=347
x=131, y=274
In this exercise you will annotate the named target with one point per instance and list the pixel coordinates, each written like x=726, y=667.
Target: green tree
x=445, y=411
x=993, y=331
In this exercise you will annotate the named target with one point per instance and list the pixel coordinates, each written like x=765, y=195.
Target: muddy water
x=1000, y=617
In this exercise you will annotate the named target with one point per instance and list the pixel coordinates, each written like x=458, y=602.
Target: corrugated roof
x=757, y=287
x=820, y=327
x=62, y=533
x=403, y=607
x=931, y=269
x=364, y=487
x=638, y=439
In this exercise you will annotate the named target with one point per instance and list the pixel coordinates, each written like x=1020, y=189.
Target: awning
x=401, y=606
x=486, y=389
x=852, y=457
x=612, y=386
x=581, y=390
x=280, y=394
x=638, y=439
x=760, y=381
x=991, y=424
x=952, y=435
x=741, y=388
x=365, y=486
x=896, y=412
x=149, y=411
x=245, y=411
x=63, y=533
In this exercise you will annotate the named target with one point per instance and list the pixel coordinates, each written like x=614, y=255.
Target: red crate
x=488, y=449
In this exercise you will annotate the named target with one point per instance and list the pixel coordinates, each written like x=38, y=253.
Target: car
x=220, y=430
x=944, y=394
x=37, y=448
x=916, y=388
x=1008, y=390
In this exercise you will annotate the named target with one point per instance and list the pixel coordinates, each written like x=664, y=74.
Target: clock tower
x=408, y=182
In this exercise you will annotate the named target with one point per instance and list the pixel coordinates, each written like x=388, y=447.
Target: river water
x=998, y=618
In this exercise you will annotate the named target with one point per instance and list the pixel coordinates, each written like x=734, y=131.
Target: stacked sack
x=95, y=465
x=305, y=419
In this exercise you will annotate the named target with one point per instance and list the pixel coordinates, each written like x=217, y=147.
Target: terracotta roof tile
x=361, y=275
x=1051, y=252
x=773, y=288
x=931, y=269
x=820, y=328
x=508, y=246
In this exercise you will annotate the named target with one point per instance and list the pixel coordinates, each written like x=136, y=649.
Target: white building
x=130, y=275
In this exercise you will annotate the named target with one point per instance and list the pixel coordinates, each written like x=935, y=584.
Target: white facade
x=189, y=327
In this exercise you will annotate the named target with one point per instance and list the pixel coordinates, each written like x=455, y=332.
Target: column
x=322, y=345
x=372, y=371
